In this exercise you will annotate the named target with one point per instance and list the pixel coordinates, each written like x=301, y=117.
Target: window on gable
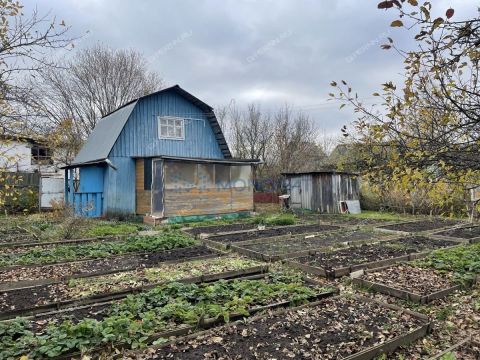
x=171, y=128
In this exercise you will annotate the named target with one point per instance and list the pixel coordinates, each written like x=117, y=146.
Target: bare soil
x=333, y=329
x=258, y=234
x=422, y=225
x=372, y=252
x=410, y=278
x=117, y=263
x=469, y=232
x=220, y=229
x=319, y=241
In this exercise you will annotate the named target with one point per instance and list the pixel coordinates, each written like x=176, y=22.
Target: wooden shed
x=321, y=191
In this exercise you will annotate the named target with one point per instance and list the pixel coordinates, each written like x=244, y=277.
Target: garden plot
x=55, y=231
x=272, y=232
x=464, y=350
x=73, y=252
x=139, y=319
x=420, y=226
x=216, y=229
x=471, y=233
x=22, y=276
x=409, y=282
x=286, y=247
x=337, y=263
x=336, y=328
x=82, y=291
x=15, y=234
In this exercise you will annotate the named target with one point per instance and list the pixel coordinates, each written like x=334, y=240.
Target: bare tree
x=91, y=85
x=295, y=146
x=26, y=43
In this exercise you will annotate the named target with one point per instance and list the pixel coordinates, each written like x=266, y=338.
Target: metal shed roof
x=103, y=137
x=108, y=129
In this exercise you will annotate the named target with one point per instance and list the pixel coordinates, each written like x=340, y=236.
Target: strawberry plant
x=133, y=320
x=73, y=252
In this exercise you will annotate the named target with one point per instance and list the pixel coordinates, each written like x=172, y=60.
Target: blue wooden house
x=163, y=155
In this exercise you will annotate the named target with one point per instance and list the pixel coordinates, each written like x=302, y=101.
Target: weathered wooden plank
x=207, y=201
x=142, y=196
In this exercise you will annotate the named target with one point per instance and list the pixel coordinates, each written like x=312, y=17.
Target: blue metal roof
x=103, y=137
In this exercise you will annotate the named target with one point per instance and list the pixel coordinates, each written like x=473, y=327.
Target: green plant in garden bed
x=275, y=219
x=162, y=273
x=463, y=260
x=72, y=252
x=134, y=319
x=111, y=229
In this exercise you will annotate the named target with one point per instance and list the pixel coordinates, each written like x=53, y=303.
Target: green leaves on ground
x=134, y=319
x=463, y=260
x=72, y=252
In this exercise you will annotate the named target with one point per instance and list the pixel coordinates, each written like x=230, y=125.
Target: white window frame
x=168, y=119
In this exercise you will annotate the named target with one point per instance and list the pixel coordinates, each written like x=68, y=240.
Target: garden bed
x=420, y=226
x=140, y=318
x=33, y=242
x=408, y=282
x=43, y=298
x=272, y=232
x=465, y=350
x=25, y=247
x=280, y=248
x=14, y=234
x=39, y=255
x=468, y=232
x=336, y=328
x=21, y=276
x=337, y=263
x=216, y=229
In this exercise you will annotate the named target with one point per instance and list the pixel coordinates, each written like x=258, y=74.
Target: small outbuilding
x=163, y=155
x=322, y=191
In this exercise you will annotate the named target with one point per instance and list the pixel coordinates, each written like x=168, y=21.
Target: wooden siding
x=142, y=196
x=207, y=201
x=322, y=192
x=139, y=137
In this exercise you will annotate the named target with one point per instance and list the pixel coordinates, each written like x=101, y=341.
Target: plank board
x=207, y=201
x=142, y=197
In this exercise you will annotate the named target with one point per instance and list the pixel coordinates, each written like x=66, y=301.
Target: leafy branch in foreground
x=425, y=131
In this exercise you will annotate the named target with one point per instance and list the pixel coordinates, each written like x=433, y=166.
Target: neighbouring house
x=30, y=163
x=163, y=155
x=322, y=191
x=26, y=154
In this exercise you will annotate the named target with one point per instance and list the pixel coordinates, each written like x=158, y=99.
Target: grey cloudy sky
x=263, y=51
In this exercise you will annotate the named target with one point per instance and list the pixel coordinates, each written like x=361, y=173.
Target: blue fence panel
x=88, y=204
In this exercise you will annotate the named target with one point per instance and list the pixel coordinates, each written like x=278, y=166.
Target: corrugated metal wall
x=139, y=137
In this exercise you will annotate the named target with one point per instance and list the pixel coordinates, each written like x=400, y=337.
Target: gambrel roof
x=108, y=129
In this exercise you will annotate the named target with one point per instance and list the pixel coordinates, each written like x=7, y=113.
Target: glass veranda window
x=171, y=128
